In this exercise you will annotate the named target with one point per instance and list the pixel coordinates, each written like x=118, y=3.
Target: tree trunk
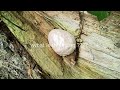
x=98, y=42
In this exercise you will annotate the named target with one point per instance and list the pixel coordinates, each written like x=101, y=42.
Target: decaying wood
x=15, y=62
x=99, y=51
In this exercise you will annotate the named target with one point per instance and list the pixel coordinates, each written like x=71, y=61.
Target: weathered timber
x=99, y=53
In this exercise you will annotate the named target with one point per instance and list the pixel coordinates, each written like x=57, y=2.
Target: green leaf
x=100, y=14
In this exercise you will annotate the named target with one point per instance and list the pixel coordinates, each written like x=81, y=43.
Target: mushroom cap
x=62, y=42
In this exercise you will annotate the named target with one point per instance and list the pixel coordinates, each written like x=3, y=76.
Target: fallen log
x=99, y=52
